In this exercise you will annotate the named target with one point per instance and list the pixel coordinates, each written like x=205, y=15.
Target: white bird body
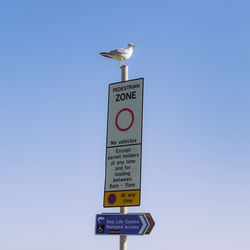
x=120, y=54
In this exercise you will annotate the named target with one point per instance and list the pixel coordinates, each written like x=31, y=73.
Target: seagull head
x=131, y=45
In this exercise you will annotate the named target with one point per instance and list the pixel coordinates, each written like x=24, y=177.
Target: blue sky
x=195, y=59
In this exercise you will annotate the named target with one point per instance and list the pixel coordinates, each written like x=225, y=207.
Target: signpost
x=123, y=161
x=124, y=224
x=124, y=144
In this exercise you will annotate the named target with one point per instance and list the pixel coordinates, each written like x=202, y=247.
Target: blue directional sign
x=124, y=224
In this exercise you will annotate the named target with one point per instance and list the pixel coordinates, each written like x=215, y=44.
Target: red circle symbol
x=130, y=124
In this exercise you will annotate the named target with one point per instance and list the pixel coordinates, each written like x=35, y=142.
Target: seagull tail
x=105, y=54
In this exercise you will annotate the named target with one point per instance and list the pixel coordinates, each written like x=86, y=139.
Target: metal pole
x=124, y=210
x=124, y=69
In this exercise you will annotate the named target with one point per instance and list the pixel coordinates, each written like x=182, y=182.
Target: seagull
x=120, y=54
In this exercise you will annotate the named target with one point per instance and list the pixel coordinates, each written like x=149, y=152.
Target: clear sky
x=195, y=59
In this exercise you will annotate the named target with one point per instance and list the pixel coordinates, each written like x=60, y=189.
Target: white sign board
x=124, y=141
x=125, y=113
x=124, y=168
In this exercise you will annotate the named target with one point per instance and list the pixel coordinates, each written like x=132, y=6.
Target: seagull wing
x=118, y=52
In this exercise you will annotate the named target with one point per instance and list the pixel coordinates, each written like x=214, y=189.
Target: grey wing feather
x=105, y=54
x=117, y=52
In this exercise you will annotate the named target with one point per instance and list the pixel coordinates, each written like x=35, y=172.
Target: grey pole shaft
x=124, y=69
x=124, y=210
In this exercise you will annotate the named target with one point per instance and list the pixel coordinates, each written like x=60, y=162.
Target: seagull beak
x=131, y=45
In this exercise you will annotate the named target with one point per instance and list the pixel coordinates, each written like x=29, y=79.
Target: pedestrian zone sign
x=124, y=144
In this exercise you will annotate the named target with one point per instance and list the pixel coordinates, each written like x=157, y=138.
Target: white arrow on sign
x=144, y=224
x=100, y=219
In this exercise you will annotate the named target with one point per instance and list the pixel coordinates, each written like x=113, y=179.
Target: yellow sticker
x=122, y=198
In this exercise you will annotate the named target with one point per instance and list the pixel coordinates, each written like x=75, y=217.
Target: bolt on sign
x=124, y=144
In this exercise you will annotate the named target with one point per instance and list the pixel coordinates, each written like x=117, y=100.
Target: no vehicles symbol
x=124, y=119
